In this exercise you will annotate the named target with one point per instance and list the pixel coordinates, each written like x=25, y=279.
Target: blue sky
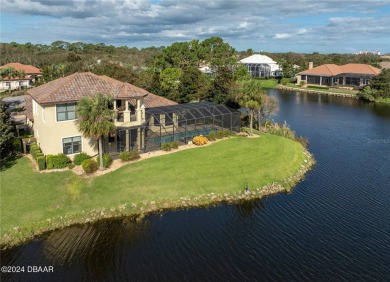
x=306, y=26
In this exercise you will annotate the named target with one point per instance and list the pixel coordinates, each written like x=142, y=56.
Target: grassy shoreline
x=33, y=203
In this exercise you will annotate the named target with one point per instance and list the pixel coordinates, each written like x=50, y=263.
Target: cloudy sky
x=324, y=26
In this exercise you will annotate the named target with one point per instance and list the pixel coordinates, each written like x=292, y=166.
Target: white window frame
x=81, y=144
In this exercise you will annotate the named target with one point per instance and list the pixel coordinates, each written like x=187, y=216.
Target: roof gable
x=332, y=70
x=257, y=59
x=78, y=85
x=28, y=69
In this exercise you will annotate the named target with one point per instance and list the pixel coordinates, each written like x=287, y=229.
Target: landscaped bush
x=35, y=152
x=219, y=134
x=41, y=162
x=200, y=140
x=211, y=136
x=39, y=154
x=57, y=161
x=17, y=145
x=107, y=160
x=90, y=166
x=174, y=144
x=226, y=132
x=170, y=145
x=285, y=80
x=71, y=165
x=34, y=147
x=129, y=156
x=80, y=157
x=166, y=147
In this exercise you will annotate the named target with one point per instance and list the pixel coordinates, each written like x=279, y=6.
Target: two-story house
x=31, y=74
x=54, y=110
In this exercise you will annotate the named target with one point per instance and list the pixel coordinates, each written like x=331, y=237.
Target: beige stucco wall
x=49, y=132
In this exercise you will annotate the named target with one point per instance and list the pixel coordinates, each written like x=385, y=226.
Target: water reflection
x=334, y=225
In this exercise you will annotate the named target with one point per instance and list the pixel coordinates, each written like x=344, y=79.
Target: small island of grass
x=33, y=203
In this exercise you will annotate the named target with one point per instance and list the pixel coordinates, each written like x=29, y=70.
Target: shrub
x=219, y=134
x=226, y=133
x=166, y=147
x=304, y=142
x=39, y=154
x=17, y=145
x=174, y=144
x=41, y=162
x=200, y=140
x=80, y=157
x=90, y=165
x=107, y=160
x=57, y=161
x=71, y=165
x=129, y=155
x=285, y=80
x=35, y=152
x=211, y=136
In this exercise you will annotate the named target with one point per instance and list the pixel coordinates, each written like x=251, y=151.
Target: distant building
x=385, y=65
x=206, y=69
x=11, y=83
x=368, y=53
x=261, y=66
x=353, y=75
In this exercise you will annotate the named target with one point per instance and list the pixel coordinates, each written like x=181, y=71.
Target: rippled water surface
x=334, y=226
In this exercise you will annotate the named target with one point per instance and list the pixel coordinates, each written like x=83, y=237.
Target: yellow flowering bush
x=200, y=140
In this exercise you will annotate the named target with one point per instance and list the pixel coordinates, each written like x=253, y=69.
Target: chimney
x=310, y=65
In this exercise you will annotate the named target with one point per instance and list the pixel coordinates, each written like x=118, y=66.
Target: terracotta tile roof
x=332, y=70
x=152, y=101
x=74, y=87
x=28, y=69
x=360, y=68
x=385, y=65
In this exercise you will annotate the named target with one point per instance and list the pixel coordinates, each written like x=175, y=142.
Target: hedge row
x=38, y=156
x=57, y=161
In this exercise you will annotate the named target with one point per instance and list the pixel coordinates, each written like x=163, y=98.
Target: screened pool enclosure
x=174, y=123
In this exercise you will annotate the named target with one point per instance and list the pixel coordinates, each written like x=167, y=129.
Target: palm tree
x=250, y=97
x=95, y=119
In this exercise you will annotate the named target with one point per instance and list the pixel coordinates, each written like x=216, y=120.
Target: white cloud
x=135, y=21
x=282, y=36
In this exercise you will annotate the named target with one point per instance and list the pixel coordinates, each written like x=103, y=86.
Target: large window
x=66, y=111
x=71, y=145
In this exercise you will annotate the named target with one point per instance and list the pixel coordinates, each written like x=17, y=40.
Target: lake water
x=334, y=226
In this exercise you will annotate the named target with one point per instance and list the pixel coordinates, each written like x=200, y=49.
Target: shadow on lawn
x=9, y=162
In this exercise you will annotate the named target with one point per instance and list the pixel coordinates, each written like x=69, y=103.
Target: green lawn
x=268, y=83
x=226, y=166
x=332, y=90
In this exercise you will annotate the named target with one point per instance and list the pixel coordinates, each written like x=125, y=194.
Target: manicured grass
x=268, y=83
x=332, y=90
x=222, y=167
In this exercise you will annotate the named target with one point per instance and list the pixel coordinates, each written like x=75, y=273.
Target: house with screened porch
x=143, y=121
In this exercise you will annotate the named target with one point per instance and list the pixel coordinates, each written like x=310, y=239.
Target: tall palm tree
x=250, y=97
x=95, y=119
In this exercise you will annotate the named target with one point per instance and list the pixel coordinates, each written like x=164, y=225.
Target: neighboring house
x=206, y=69
x=385, y=65
x=11, y=83
x=144, y=121
x=261, y=66
x=351, y=75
